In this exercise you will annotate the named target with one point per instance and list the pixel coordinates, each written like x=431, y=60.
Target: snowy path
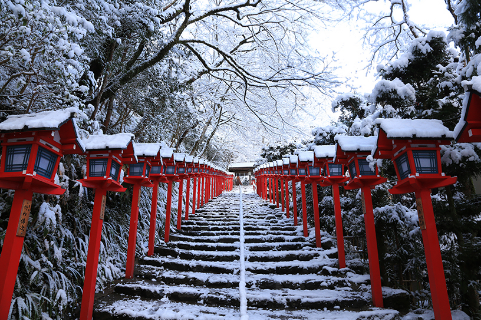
x=204, y=272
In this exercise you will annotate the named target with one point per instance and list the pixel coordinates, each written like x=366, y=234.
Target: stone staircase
x=196, y=274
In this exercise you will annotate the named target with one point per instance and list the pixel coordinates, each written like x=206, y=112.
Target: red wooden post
x=294, y=201
x=167, y=211
x=317, y=223
x=134, y=219
x=179, y=204
x=304, y=208
x=434, y=261
x=199, y=193
x=372, y=248
x=93, y=255
x=12, y=249
x=287, y=198
x=339, y=230
x=187, y=199
x=153, y=218
x=203, y=192
x=282, y=194
x=194, y=191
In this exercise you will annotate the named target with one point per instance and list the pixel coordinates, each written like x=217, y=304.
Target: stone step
x=188, y=245
x=191, y=265
x=325, y=299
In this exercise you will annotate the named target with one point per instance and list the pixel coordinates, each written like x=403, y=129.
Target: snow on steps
x=196, y=275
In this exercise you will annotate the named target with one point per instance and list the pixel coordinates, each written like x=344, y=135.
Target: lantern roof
x=189, y=159
x=49, y=120
x=293, y=158
x=201, y=161
x=356, y=143
x=45, y=120
x=285, y=160
x=328, y=151
x=166, y=152
x=306, y=156
x=279, y=162
x=468, y=126
x=414, y=128
x=179, y=157
x=120, y=141
x=147, y=149
x=196, y=160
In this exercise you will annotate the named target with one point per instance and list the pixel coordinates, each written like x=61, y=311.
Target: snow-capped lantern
x=468, y=128
x=352, y=151
x=32, y=145
x=413, y=146
x=189, y=165
x=180, y=165
x=306, y=159
x=293, y=160
x=167, y=155
x=105, y=154
x=137, y=175
x=285, y=167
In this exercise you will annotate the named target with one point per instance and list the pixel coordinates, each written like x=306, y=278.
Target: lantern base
x=35, y=183
x=109, y=184
x=144, y=182
x=413, y=184
x=332, y=180
x=364, y=181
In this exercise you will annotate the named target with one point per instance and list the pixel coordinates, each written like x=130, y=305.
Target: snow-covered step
x=196, y=275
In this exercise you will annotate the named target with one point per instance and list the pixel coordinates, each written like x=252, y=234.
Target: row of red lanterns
x=32, y=146
x=414, y=148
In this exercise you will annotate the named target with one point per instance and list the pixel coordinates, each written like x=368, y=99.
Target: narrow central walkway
x=196, y=275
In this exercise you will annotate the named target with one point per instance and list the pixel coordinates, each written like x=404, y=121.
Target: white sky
x=345, y=40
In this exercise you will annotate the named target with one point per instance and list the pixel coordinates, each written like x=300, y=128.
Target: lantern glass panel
x=170, y=170
x=286, y=172
x=293, y=172
x=147, y=170
x=189, y=170
x=114, y=170
x=314, y=171
x=97, y=167
x=403, y=167
x=352, y=169
x=364, y=168
x=335, y=169
x=181, y=170
x=136, y=169
x=302, y=172
x=196, y=170
x=426, y=161
x=17, y=158
x=45, y=162
x=156, y=170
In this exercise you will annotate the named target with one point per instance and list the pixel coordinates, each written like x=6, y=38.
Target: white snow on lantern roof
x=462, y=120
x=279, y=162
x=306, y=156
x=108, y=141
x=408, y=128
x=243, y=165
x=166, y=152
x=196, y=160
x=201, y=161
x=147, y=149
x=325, y=151
x=189, y=159
x=356, y=143
x=179, y=157
x=285, y=160
x=293, y=158
x=41, y=120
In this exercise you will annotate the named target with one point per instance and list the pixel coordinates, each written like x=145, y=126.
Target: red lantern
x=413, y=146
x=31, y=149
x=352, y=151
x=306, y=159
x=293, y=160
x=189, y=164
x=167, y=155
x=138, y=172
x=469, y=127
x=104, y=163
x=181, y=170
